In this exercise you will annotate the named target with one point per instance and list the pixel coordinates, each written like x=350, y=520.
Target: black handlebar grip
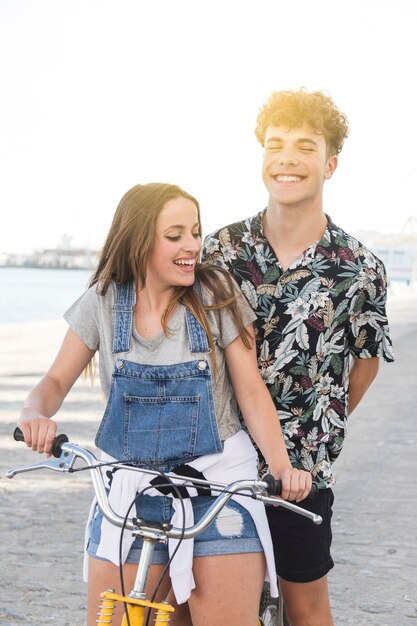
x=17, y=434
x=56, y=444
x=274, y=487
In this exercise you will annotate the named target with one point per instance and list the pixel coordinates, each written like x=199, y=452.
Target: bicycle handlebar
x=66, y=453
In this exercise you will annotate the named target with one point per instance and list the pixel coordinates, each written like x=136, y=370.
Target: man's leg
x=307, y=604
x=303, y=560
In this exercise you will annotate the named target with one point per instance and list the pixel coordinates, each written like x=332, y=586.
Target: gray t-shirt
x=91, y=317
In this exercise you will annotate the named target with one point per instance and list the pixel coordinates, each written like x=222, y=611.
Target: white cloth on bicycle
x=238, y=461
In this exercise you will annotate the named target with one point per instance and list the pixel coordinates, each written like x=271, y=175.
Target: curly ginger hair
x=295, y=108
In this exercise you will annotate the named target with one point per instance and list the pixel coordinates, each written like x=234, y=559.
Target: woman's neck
x=149, y=310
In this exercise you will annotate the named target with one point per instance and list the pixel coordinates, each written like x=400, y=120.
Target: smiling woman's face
x=176, y=246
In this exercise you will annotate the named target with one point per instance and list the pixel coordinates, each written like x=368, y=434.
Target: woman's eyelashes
x=196, y=235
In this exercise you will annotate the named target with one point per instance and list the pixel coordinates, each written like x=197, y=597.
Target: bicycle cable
x=171, y=485
x=187, y=482
x=179, y=495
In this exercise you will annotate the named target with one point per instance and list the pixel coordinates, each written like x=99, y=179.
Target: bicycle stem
x=138, y=590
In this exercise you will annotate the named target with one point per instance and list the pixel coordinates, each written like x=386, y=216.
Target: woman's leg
x=182, y=616
x=103, y=575
x=228, y=589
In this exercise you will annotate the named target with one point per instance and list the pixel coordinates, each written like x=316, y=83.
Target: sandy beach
x=42, y=514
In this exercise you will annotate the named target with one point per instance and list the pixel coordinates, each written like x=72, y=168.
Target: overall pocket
x=160, y=430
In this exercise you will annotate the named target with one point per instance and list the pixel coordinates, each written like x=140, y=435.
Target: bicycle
x=137, y=606
x=271, y=610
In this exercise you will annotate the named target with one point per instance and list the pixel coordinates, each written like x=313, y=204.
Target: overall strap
x=198, y=341
x=123, y=321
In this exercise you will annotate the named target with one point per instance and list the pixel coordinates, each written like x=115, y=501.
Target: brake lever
x=317, y=519
x=64, y=463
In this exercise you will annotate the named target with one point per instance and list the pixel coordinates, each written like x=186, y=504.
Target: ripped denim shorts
x=233, y=531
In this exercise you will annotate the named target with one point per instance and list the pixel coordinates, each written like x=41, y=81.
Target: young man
x=319, y=296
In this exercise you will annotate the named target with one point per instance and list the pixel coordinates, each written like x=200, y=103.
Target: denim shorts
x=233, y=531
x=301, y=548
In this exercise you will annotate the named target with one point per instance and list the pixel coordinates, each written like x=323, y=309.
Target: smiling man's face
x=295, y=165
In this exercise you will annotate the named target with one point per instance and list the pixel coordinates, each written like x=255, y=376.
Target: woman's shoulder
x=216, y=283
x=220, y=291
x=93, y=300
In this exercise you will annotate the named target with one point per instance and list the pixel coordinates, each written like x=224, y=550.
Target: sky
x=100, y=95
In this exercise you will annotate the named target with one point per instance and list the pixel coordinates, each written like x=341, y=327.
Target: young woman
x=176, y=355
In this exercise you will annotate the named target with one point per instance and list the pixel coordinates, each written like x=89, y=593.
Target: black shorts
x=302, y=548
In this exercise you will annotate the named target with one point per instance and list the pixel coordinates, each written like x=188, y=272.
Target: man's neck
x=291, y=230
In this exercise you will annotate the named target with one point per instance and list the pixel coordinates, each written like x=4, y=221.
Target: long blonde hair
x=125, y=254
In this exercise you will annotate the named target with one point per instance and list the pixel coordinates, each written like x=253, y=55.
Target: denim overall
x=158, y=415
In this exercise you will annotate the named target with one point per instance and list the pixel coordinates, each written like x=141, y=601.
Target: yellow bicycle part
x=135, y=608
x=106, y=610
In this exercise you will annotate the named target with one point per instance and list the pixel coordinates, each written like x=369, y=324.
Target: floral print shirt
x=327, y=307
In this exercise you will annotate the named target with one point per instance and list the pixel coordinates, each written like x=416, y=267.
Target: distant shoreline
x=63, y=257
x=32, y=266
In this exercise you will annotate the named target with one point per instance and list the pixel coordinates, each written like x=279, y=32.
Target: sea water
x=31, y=294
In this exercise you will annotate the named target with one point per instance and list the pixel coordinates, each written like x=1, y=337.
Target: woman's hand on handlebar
x=39, y=432
x=296, y=484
